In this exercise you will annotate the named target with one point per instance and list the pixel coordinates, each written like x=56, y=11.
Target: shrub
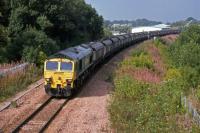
x=129, y=88
x=138, y=52
x=190, y=35
x=143, y=61
x=139, y=60
x=172, y=73
x=190, y=76
x=198, y=93
x=158, y=42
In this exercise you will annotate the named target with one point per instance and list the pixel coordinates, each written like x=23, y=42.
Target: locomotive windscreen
x=52, y=65
x=66, y=66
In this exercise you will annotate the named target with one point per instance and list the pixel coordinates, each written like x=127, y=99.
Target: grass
x=18, y=81
x=143, y=106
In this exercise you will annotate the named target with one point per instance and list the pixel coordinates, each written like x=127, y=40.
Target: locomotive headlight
x=69, y=80
x=48, y=79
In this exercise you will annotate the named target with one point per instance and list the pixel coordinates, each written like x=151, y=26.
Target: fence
x=13, y=69
x=190, y=109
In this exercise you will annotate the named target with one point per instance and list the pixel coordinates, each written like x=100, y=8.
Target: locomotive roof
x=115, y=39
x=74, y=53
x=93, y=45
x=121, y=37
x=127, y=36
x=107, y=42
x=96, y=45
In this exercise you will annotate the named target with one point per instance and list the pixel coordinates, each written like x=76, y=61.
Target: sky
x=158, y=10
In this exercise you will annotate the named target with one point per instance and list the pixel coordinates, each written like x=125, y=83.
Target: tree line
x=31, y=30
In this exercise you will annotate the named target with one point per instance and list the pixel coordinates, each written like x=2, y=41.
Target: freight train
x=67, y=70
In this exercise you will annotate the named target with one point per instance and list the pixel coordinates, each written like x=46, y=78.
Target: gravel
x=18, y=111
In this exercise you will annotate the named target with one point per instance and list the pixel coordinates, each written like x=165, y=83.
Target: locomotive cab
x=59, y=76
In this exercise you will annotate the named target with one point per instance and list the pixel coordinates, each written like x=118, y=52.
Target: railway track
x=31, y=88
x=40, y=119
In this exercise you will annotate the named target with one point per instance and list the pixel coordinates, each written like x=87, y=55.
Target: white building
x=158, y=27
x=144, y=29
x=162, y=26
x=115, y=33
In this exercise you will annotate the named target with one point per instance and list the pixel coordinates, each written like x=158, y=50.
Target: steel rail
x=17, y=129
x=52, y=117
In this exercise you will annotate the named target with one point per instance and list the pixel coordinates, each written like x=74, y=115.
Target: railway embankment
x=17, y=79
x=148, y=88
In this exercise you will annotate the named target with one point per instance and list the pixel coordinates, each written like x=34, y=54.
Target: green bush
x=190, y=76
x=138, y=52
x=185, y=55
x=159, y=42
x=198, y=93
x=128, y=88
x=140, y=59
x=172, y=73
x=190, y=34
x=143, y=61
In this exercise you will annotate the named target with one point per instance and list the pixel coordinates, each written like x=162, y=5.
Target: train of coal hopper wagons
x=66, y=70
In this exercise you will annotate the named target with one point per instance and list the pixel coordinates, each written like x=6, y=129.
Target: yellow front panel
x=58, y=76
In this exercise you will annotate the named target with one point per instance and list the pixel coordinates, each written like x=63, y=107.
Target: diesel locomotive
x=66, y=70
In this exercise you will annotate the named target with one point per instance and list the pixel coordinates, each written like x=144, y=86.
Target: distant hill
x=134, y=23
x=185, y=22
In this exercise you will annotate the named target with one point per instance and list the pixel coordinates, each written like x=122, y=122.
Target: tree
x=190, y=35
x=61, y=23
x=64, y=20
x=4, y=12
x=186, y=51
x=3, y=43
x=29, y=44
x=107, y=32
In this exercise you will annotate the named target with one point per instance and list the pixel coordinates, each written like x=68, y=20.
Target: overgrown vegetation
x=139, y=59
x=33, y=29
x=18, y=81
x=141, y=106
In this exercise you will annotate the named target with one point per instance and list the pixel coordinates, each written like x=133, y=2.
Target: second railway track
x=40, y=119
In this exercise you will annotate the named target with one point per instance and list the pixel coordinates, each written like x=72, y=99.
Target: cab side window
x=80, y=65
x=91, y=57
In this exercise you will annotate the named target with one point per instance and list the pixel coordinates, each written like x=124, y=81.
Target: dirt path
x=88, y=111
